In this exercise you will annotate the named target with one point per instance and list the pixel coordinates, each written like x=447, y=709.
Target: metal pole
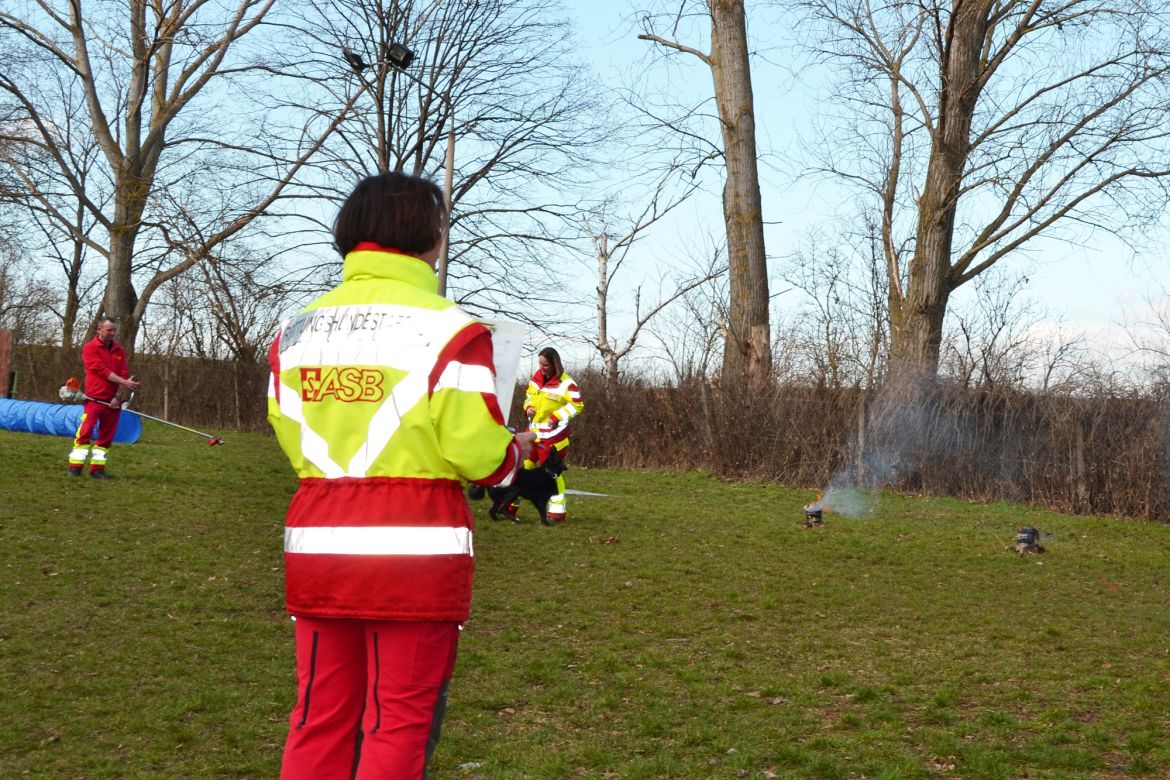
x=213, y=440
x=448, y=182
x=398, y=64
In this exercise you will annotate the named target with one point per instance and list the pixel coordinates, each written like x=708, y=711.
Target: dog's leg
x=500, y=505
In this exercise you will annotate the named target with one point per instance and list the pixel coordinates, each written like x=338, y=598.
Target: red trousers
x=370, y=698
x=95, y=414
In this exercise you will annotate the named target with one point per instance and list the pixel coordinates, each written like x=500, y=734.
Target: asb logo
x=344, y=383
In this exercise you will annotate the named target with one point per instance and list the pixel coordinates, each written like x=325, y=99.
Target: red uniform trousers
x=370, y=698
x=93, y=413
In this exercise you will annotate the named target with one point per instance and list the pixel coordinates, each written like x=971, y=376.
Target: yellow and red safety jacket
x=382, y=395
x=551, y=403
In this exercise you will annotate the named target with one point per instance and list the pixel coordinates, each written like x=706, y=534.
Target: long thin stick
x=213, y=440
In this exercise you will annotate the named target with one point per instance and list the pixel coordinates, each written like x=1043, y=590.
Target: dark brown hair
x=554, y=357
x=393, y=210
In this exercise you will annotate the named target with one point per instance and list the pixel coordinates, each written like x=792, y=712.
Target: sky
x=1093, y=289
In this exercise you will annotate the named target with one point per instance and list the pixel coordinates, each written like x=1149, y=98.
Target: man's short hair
x=393, y=210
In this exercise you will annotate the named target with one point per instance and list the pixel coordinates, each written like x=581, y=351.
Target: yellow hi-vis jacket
x=382, y=395
x=552, y=403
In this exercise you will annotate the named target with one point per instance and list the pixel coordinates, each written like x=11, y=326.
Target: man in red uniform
x=107, y=384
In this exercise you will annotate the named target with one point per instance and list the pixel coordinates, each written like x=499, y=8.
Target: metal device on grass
x=814, y=513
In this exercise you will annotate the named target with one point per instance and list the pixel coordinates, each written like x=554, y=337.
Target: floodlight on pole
x=399, y=57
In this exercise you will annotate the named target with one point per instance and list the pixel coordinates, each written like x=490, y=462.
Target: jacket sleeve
x=274, y=416
x=530, y=394
x=287, y=430
x=573, y=405
x=465, y=412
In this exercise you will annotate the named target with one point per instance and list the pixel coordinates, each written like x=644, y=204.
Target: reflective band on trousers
x=378, y=540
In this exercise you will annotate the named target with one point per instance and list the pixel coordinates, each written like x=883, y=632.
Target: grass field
x=680, y=628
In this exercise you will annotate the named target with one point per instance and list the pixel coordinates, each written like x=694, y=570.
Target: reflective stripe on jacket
x=382, y=396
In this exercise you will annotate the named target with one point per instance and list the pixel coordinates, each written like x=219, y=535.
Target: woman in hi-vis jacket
x=382, y=395
x=551, y=401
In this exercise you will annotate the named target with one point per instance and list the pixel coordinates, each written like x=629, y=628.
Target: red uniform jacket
x=100, y=360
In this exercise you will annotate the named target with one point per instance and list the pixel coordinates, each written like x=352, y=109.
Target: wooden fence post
x=862, y=425
x=5, y=360
x=1081, y=497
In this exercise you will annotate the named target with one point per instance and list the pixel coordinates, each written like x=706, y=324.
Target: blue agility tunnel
x=59, y=420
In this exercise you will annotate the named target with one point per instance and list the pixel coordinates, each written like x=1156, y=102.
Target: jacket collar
x=370, y=261
x=552, y=381
x=113, y=343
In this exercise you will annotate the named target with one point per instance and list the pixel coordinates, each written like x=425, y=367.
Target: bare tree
x=613, y=238
x=62, y=243
x=229, y=306
x=25, y=299
x=31, y=178
x=689, y=335
x=840, y=329
x=493, y=81
x=747, y=352
x=991, y=343
x=1150, y=337
x=978, y=126
x=246, y=299
x=151, y=83
x=178, y=324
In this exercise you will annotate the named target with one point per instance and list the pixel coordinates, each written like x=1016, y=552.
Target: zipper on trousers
x=309, y=685
x=377, y=677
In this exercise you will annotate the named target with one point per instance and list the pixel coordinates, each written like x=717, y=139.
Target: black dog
x=537, y=485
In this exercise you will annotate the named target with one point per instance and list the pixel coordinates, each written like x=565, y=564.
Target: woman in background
x=551, y=401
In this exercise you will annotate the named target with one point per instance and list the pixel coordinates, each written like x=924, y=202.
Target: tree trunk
x=121, y=298
x=916, y=330
x=747, y=354
x=1080, y=468
x=916, y=321
x=611, y=367
x=601, y=249
x=72, y=302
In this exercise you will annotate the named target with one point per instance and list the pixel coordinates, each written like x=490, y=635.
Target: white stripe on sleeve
x=465, y=376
